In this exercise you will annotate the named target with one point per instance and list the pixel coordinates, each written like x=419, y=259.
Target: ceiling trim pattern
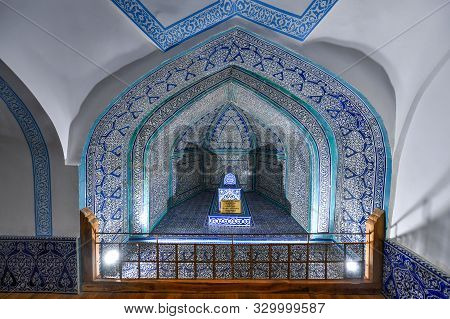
x=276, y=19
x=39, y=156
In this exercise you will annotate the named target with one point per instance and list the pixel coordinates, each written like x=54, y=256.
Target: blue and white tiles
x=287, y=23
x=32, y=264
x=190, y=217
x=407, y=275
x=337, y=117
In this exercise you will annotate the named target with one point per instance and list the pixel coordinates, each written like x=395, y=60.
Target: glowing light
x=352, y=266
x=143, y=219
x=111, y=257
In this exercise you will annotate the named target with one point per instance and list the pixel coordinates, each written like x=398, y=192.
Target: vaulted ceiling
x=70, y=53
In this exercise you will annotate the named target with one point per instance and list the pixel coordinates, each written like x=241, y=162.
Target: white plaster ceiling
x=297, y=6
x=170, y=11
x=61, y=49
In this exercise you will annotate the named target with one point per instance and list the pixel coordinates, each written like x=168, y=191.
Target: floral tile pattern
x=32, y=264
x=292, y=25
x=408, y=276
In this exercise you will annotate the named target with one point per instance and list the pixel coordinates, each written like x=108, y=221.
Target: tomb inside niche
x=229, y=207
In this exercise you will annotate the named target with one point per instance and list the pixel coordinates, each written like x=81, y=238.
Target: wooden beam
x=376, y=231
x=89, y=251
x=196, y=286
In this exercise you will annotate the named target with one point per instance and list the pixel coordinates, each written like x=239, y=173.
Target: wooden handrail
x=89, y=251
x=375, y=229
x=375, y=234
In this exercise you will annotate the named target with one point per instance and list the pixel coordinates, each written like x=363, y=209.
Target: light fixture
x=111, y=256
x=352, y=266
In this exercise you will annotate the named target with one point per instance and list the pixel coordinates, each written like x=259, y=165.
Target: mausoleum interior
x=294, y=146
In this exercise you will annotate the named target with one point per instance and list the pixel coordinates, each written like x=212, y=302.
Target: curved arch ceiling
x=61, y=57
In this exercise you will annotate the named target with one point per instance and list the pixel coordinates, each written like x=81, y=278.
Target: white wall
x=62, y=60
x=16, y=178
x=16, y=172
x=422, y=197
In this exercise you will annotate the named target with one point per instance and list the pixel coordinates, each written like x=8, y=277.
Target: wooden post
x=89, y=253
x=375, y=229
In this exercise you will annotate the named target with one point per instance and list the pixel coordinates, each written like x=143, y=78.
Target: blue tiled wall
x=33, y=264
x=407, y=275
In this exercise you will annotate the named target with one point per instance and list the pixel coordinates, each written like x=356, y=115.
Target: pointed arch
x=362, y=162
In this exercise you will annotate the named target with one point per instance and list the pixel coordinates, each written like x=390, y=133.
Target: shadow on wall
x=270, y=175
x=425, y=227
x=188, y=174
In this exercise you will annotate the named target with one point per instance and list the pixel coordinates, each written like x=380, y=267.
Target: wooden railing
x=89, y=253
x=376, y=230
x=163, y=257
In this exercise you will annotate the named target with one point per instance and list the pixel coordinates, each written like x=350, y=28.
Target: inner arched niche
x=286, y=150
x=228, y=138
x=222, y=139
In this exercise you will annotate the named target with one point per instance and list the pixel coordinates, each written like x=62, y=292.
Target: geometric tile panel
x=39, y=157
x=408, y=276
x=287, y=23
x=33, y=264
x=268, y=167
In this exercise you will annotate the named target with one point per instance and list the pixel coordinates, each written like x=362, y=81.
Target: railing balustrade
x=339, y=256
